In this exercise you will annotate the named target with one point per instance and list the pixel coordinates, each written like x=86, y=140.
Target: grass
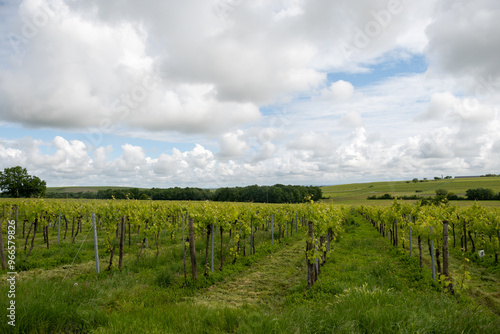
x=366, y=286
x=356, y=193
x=150, y=282
x=483, y=281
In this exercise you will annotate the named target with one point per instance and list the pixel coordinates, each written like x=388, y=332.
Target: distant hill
x=356, y=193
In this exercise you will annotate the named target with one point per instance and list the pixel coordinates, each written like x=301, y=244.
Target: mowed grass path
x=264, y=284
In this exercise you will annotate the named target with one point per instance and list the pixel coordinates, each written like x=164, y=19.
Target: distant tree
x=144, y=197
x=415, y=180
x=480, y=194
x=447, y=177
x=441, y=193
x=16, y=182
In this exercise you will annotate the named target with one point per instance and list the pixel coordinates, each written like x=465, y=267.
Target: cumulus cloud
x=338, y=91
x=232, y=145
x=143, y=66
x=245, y=89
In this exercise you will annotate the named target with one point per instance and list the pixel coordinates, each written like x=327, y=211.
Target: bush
x=480, y=194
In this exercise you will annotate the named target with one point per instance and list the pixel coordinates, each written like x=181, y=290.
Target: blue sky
x=220, y=93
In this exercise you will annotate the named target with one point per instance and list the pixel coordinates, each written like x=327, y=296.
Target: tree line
x=476, y=194
x=16, y=182
x=258, y=194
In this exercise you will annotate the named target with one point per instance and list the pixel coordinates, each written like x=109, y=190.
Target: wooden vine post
x=96, y=252
x=192, y=249
x=184, y=248
x=446, y=271
x=122, y=242
x=431, y=249
x=311, y=270
x=59, y=229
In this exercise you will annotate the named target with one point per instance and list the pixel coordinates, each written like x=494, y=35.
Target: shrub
x=480, y=194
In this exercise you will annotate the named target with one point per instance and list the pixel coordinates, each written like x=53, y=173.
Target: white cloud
x=232, y=145
x=338, y=91
x=245, y=89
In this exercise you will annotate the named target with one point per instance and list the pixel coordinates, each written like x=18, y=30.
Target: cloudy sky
x=210, y=93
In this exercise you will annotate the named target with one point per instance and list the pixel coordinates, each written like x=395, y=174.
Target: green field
x=365, y=286
x=357, y=193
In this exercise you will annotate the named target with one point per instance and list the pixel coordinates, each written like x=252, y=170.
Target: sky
x=215, y=93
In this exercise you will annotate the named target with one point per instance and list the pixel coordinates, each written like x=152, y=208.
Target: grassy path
x=265, y=283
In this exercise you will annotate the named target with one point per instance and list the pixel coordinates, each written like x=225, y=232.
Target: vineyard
x=118, y=258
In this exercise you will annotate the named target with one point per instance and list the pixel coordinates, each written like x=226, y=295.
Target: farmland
x=357, y=193
x=258, y=280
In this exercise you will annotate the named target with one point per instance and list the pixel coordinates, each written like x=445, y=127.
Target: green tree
x=441, y=193
x=480, y=194
x=16, y=182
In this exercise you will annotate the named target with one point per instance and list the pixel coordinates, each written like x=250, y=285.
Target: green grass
x=366, y=286
x=356, y=193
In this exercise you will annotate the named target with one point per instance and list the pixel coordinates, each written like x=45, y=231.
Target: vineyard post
x=311, y=273
x=411, y=249
x=465, y=236
x=272, y=229
x=432, y=258
x=184, y=249
x=446, y=271
x=317, y=260
x=212, y=250
x=96, y=251
x=251, y=236
x=59, y=229
x=328, y=241
x=296, y=224
x=396, y=241
x=192, y=248
x=122, y=242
